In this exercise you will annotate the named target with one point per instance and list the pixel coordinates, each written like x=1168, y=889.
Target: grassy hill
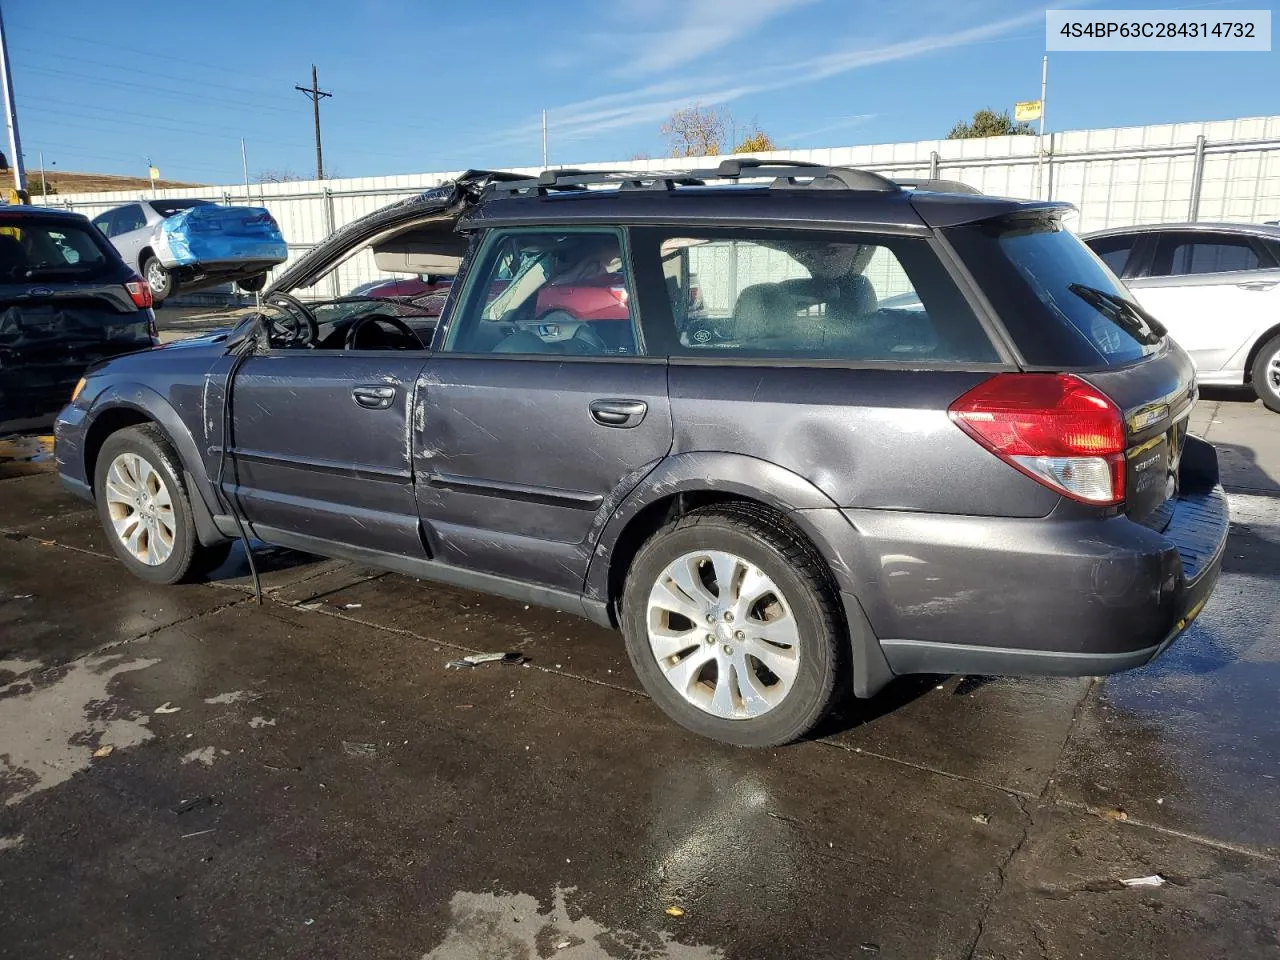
x=68, y=183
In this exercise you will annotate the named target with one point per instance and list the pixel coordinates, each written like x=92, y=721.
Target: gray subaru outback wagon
x=794, y=430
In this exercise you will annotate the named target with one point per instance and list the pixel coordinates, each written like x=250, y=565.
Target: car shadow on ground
x=1240, y=470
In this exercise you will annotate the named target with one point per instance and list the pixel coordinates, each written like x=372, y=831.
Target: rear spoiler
x=954, y=210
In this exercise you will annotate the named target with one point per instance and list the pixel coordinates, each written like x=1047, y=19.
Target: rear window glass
x=38, y=250
x=791, y=294
x=1058, y=300
x=167, y=208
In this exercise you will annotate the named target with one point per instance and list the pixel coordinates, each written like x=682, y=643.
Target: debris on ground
x=195, y=803
x=166, y=707
x=363, y=750
x=104, y=751
x=982, y=818
x=1115, y=813
x=1155, y=880
x=476, y=659
x=259, y=722
x=24, y=596
x=352, y=606
x=198, y=833
x=674, y=911
x=869, y=947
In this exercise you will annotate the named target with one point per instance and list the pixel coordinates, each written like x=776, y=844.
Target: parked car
x=830, y=494
x=1215, y=287
x=195, y=244
x=67, y=300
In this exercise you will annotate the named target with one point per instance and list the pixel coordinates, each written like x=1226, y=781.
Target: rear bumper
x=1048, y=597
x=221, y=271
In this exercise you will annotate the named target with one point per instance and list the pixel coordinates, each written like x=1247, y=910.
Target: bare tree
x=695, y=131
x=277, y=176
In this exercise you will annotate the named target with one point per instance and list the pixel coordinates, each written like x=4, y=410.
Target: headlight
x=76, y=392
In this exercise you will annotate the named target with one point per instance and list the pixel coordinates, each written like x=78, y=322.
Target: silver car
x=133, y=230
x=1215, y=287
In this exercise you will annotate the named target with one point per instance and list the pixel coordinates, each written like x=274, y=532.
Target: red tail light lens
x=139, y=292
x=620, y=294
x=1055, y=428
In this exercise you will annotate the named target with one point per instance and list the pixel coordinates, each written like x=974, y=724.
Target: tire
x=253, y=284
x=162, y=283
x=166, y=550
x=769, y=708
x=1266, y=374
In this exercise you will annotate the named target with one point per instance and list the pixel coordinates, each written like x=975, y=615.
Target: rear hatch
x=63, y=306
x=206, y=233
x=1065, y=311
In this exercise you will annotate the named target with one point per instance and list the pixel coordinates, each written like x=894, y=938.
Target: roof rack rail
x=786, y=174
x=940, y=186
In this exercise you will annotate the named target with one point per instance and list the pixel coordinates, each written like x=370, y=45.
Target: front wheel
x=159, y=279
x=1266, y=374
x=732, y=625
x=145, y=510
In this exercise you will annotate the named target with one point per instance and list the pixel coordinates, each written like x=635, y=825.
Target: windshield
x=35, y=249
x=167, y=208
x=1061, y=304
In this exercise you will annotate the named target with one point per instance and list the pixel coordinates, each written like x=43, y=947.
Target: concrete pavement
x=184, y=773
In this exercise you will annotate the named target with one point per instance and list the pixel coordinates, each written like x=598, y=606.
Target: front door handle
x=1257, y=284
x=618, y=413
x=373, y=397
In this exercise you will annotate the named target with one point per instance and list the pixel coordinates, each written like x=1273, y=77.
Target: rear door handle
x=618, y=413
x=373, y=397
x=1257, y=284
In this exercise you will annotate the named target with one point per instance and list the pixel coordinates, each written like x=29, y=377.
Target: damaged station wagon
x=907, y=429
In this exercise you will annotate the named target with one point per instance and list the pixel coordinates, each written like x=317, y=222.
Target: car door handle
x=618, y=413
x=373, y=398
x=1258, y=284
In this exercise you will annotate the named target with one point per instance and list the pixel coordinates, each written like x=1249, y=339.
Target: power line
x=315, y=95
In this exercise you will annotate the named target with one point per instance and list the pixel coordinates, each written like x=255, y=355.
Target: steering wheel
x=587, y=342
x=298, y=325
x=353, y=332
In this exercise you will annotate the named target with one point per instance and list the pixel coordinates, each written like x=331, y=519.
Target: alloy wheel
x=141, y=509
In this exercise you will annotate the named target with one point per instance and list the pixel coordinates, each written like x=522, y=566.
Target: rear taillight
x=1055, y=428
x=139, y=292
x=619, y=294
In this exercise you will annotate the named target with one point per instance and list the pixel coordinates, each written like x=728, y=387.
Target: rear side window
x=1114, y=251
x=50, y=250
x=1180, y=254
x=1060, y=303
x=126, y=219
x=793, y=294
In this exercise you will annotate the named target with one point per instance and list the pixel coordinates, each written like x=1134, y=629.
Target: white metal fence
x=1218, y=170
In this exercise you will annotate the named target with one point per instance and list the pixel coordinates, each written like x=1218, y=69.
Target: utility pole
x=244, y=159
x=315, y=95
x=544, y=140
x=44, y=183
x=11, y=117
x=1044, y=83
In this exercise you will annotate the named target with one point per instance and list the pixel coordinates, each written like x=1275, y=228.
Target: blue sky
x=447, y=84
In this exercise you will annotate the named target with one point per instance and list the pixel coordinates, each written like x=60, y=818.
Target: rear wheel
x=252, y=284
x=732, y=626
x=1266, y=374
x=159, y=279
x=145, y=510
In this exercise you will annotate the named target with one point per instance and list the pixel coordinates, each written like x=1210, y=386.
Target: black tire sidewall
x=142, y=442
x=810, y=695
x=158, y=296
x=254, y=284
x=1261, y=384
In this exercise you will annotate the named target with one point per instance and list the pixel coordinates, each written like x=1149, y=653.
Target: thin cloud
x=845, y=124
x=655, y=102
x=698, y=29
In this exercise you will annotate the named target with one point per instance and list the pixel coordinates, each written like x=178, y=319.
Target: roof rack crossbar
x=788, y=174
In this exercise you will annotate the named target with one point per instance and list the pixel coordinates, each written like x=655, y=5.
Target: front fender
x=154, y=406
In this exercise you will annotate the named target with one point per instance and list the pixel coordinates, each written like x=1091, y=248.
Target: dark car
x=839, y=487
x=67, y=300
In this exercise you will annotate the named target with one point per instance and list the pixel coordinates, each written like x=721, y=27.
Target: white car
x=1215, y=287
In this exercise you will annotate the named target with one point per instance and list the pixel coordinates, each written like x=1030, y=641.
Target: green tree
x=988, y=123
x=42, y=188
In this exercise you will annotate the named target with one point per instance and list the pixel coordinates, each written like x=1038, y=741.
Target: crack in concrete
x=1002, y=872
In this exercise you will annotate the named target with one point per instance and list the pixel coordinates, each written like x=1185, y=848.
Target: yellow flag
x=154, y=172
x=1026, y=110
